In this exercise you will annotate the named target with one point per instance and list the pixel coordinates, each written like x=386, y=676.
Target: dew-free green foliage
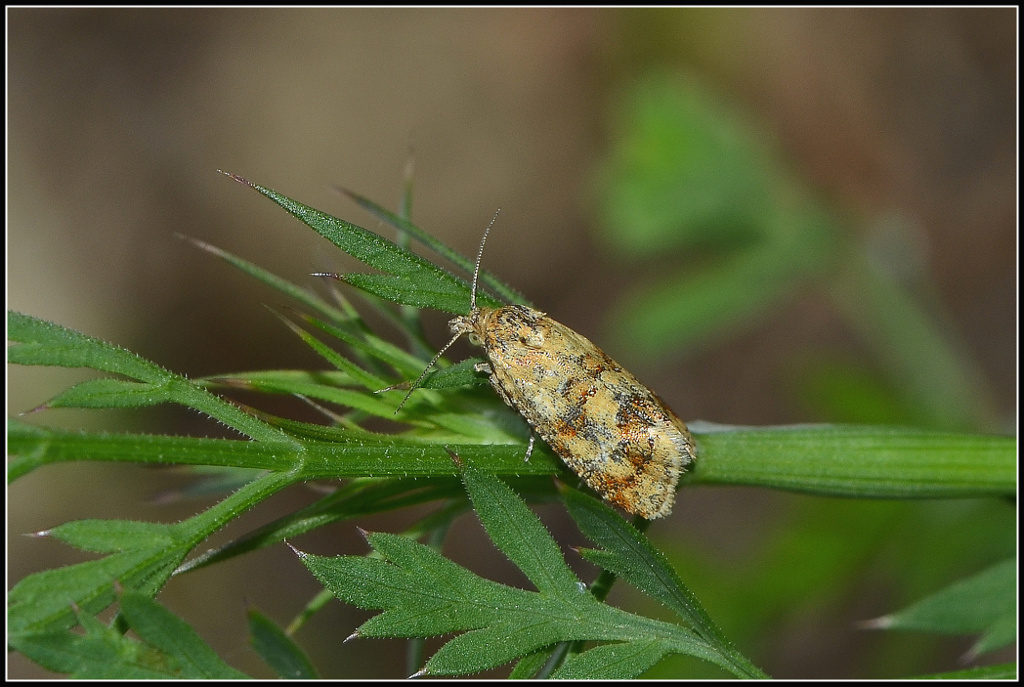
x=984, y=603
x=731, y=236
x=166, y=646
x=424, y=594
x=690, y=184
x=452, y=411
x=276, y=648
x=547, y=631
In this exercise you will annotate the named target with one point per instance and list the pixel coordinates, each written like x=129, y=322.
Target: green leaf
x=688, y=176
x=503, y=291
x=356, y=499
x=283, y=286
x=101, y=654
x=415, y=281
x=528, y=666
x=630, y=555
x=111, y=393
x=423, y=594
x=145, y=557
x=407, y=291
x=985, y=603
x=169, y=648
x=1002, y=671
x=685, y=169
x=372, y=347
x=277, y=649
x=419, y=592
x=43, y=601
x=160, y=628
x=613, y=661
x=520, y=535
x=367, y=379
x=462, y=373
x=38, y=342
x=108, y=536
x=693, y=184
x=696, y=307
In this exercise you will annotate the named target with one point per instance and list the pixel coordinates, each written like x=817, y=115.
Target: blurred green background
x=770, y=216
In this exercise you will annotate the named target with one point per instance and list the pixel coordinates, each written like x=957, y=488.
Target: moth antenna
x=479, y=257
x=426, y=370
x=472, y=307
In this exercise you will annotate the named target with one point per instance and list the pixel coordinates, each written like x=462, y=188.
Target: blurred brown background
x=118, y=121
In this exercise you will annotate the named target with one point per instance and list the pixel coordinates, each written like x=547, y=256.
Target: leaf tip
x=880, y=623
x=354, y=635
x=401, y=385
x=39, y=535
x=971, y=655
x=202, y=245
x=237, y=178
x=345, y=192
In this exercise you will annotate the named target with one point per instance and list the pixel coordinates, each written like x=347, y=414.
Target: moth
x=610, y=429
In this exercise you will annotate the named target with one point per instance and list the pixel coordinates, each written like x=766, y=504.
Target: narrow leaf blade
x=515, y=530
x=277, y=649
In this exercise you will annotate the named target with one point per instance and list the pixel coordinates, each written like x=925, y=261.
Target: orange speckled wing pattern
x=613, y=431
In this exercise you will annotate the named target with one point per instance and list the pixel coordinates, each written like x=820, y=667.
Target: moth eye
x=475, y=339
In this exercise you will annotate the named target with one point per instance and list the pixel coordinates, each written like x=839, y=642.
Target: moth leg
x=495, y=384
x=503, y=395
